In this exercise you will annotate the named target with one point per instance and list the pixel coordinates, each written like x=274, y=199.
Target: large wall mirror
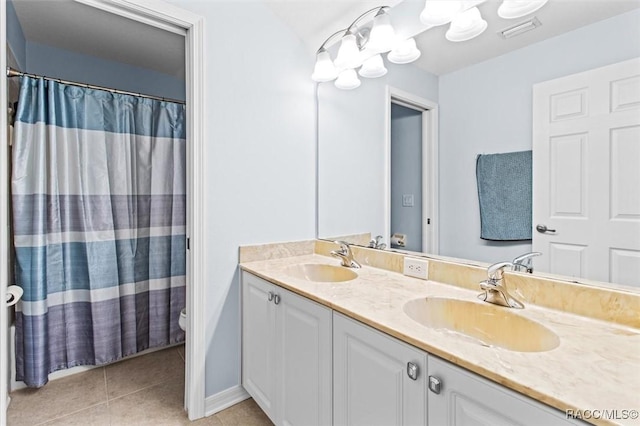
x=461, y=100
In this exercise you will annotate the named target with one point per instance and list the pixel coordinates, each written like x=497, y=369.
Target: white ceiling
x=73, y=26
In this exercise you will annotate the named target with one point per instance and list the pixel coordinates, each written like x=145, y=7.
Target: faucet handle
x=496, y=270
x=525, y=261
x=344, y=246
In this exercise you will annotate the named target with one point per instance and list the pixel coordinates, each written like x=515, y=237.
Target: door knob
x=543, y=229
x=270, y=296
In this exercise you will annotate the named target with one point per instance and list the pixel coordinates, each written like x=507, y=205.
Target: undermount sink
x=321, y=273
x=491, y=325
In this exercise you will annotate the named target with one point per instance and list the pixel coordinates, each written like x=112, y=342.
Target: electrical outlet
x=418, y=268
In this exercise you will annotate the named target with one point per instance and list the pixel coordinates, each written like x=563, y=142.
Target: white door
x=258, y=342
x=586, y=178
x=371, y=385
x=305, y=353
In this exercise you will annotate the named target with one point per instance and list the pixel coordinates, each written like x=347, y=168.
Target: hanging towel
x=504, y=192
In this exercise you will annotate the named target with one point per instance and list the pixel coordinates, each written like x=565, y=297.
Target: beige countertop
x=595, y=367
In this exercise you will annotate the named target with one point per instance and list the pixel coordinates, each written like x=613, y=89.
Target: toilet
x=182, y=321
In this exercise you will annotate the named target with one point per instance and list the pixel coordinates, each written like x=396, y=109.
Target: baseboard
x=224, y=399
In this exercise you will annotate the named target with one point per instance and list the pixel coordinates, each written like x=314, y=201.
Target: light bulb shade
x=373, y=67
x=439, y=12
x=382, y=37
x=404, y=52
x=510, y=9
x=466, y=25
x=324, y=69
x=347, y=80
x=349, y=53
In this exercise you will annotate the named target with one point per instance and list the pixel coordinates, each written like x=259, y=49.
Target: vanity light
x=324, y=69
x=439, y=12
x=347, y=80
x=466, y=25
x=404, y=53
x=349, y=53
x=382, y=37
x=510, y=9
x=373, y=67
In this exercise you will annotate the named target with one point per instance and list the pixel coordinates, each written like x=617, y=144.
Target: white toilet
x=182, y=321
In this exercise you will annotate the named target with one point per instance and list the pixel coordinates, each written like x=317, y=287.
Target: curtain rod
x=15, y=73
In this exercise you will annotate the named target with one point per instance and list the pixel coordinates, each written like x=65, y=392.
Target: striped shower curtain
x=98, y=194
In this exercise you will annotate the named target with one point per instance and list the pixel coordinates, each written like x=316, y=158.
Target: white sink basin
x=490, y=324
x=321, y=273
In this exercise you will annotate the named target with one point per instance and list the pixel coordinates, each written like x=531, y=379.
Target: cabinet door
x=371, y=383
x=305, y=352
x=468, y=399
x=258, y=342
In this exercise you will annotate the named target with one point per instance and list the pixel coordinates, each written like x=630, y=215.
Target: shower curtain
x=98, y=194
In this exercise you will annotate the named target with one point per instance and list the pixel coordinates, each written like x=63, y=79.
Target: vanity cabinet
x=465, y=399
x=377, y=380
x=286, y=353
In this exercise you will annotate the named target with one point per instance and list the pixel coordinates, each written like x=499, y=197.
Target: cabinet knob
x=435, y=384
x=270, y=296
x=412, y=371
x=276, y=299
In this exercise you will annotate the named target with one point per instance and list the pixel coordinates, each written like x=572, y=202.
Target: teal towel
x=504, y=192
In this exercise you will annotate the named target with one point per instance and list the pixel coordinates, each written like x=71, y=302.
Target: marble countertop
x=595, y=367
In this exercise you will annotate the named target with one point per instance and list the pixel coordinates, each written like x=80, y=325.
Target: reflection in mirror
x=481, y=92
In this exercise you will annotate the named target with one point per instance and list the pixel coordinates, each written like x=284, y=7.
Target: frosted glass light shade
x=439, y=12
x=466, y=25
x=324, y=69
x=383, y=36
x=404, y=52
x=510, y=9
x=373, y=67
x=349, y=53
x=347, y=80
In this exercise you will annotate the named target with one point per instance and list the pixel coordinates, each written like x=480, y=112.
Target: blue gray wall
x=259, y=157
x=352, y=149
x=15, y=37
x=64, y=64
x=487, y=108
x=406, y=174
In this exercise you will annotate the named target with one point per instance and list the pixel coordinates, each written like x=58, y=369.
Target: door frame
x=180, y=21
x=429, y=109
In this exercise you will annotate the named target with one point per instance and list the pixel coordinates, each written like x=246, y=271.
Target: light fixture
x=520, y=28
x=373, y=67
x=510, y=9
x=382, y=37
x=439, y=12
x=324, y=69
x=404, y=52
x=347, y=80
x=349, y=52
x=466, y=25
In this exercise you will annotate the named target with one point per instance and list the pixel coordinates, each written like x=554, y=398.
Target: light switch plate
x=407, y=200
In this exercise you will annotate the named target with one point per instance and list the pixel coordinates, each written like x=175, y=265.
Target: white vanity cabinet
x=286, y=353
x=377, y=380
x=465, y=399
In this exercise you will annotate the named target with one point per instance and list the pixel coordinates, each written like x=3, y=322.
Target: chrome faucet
x=345, y=255
x=495, y=290
x=376, y=243
x=524, y=262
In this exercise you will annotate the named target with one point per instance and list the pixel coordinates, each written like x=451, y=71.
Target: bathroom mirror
x=478, y=98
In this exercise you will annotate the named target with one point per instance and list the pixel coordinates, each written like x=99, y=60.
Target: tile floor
x=146, y=390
